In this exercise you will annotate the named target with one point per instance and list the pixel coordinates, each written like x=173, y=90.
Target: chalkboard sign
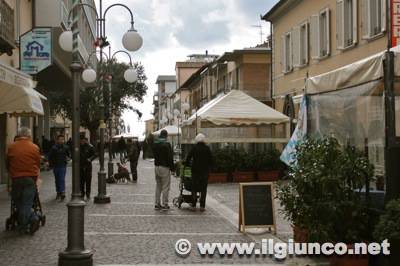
x=256, y=208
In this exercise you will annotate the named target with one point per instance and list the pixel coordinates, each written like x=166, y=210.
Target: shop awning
x=236, y=109
x=171, y=129
x=362, y=71
x=17, y=95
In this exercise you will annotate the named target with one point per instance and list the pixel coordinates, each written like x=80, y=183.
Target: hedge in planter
x=389, y=228
x=319, y=195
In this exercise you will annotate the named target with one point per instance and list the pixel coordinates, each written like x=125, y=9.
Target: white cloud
x=173, y=29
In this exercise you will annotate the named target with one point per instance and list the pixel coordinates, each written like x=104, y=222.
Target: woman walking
x=200, y=158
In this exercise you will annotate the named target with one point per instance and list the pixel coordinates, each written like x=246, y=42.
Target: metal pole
x=102, y=196
x=110, y=159
x=75, y=253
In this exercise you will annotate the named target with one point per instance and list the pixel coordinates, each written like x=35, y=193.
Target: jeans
x=23, y=193
x=86, y=180
x=163, y=181
x=59, y=174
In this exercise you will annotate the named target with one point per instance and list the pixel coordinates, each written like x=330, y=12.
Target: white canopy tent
x=171, y=129
x=348, y=103
x=125, y=135
x=237, y=118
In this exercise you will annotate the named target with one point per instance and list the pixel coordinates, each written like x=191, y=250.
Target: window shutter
x=283, y=54
x=366, y=19
x=340, y=24
x=306, y=45
x=355, y=24
x=383, y=17
x=328, y=32
x=296, y=47
x=314, y=36
x=290, y=54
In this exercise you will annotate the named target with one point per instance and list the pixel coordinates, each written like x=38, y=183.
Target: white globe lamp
x=130, y=75
x=132, y=41
x=65, y=41
x=89, y=75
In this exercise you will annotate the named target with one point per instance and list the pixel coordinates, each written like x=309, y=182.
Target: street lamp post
x=89, y=76
x=132, y=41
x=75, y=253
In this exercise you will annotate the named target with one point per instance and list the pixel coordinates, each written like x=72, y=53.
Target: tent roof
x=237, y=108
x=171, y=129
x=359, y=72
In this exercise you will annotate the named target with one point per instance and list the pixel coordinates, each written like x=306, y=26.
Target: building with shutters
x=313, y=37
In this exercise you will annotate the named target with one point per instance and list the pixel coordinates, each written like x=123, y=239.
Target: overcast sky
x=173, y=29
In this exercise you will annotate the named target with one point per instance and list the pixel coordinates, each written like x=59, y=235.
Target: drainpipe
x=18, y=21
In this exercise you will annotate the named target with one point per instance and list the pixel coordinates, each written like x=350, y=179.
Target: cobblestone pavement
x=129, y=231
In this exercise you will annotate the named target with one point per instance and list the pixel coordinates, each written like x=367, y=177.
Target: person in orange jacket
x=23, y=164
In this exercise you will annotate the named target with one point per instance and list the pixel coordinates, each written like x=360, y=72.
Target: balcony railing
x=6, y=28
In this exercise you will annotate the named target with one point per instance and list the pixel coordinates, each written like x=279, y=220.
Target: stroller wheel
x=43, y=220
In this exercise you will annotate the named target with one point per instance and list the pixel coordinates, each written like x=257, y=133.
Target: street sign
x=35, y=50
x=256, y=206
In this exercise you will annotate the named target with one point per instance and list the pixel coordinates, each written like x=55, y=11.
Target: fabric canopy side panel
x=355, y=116
x=19, y=100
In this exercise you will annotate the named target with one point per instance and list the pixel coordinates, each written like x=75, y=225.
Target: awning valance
x=362, y=71
x=17, y=95
x=171, y=129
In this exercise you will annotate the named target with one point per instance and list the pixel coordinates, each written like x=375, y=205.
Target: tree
x=90, y=103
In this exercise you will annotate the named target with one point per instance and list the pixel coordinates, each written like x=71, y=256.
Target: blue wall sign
x=35, y=50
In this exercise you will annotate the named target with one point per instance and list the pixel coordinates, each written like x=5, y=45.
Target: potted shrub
x=388, y=227
x=319, y=197
x=245, y=166
x=222, y=165
x=269, y=166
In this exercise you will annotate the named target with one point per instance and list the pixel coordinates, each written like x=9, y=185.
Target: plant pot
x=300, y=235
x=268, y=175
x=216, y=178
x=239, y=176
x=349, y=260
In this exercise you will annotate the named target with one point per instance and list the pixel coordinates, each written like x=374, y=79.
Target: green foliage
x=90, y=102
x=229, y=160
x=389, y=222
x=320, y=193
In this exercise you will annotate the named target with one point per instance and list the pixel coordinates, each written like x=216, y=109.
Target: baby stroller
x=185, y=183
x=12, y=221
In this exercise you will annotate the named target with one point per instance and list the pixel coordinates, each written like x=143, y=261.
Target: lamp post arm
x=108, y=8
x=95, y=52
x=125, y=52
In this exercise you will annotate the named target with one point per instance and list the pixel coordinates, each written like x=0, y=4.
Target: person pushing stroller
x=23, y=165
x=201, y=161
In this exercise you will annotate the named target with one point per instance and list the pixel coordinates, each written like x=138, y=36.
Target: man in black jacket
x=201, y=160
x=58, y=158
x=164, y=164
x=87, y=155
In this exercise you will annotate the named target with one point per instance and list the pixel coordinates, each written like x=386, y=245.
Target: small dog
x=122, y=175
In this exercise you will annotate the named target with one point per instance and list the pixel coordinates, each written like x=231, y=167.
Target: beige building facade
x=313, y=37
